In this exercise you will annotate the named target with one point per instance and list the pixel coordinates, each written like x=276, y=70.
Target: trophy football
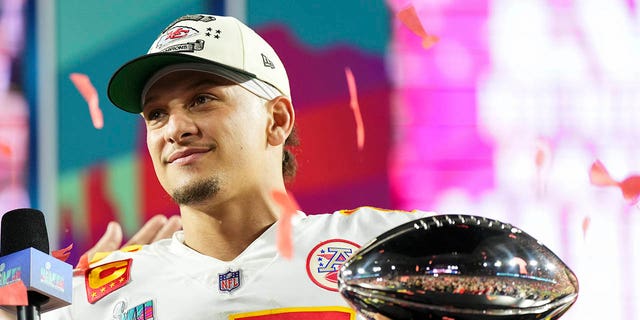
x=458, y=267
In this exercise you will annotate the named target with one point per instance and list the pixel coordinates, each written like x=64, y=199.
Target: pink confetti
x=586, y=222
x=5, y=149
x=89, y=93
x=542, y=159
x=599, y=176
x=521, y=264
x=62, y=254
x=289, y=208
x=543, y=153
x=14, y=294
x=630, y=186
x=355, y=107
x=409, y=17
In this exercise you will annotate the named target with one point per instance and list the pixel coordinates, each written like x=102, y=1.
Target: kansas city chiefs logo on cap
x=174, y=34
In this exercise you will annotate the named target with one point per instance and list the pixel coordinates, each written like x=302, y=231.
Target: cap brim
x=128, y=82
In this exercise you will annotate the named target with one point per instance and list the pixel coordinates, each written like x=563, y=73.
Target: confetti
x=543, y=153
x=630, y=186
x=355, y=107
x=521, y=264
x=585, y=226
x=5, y=149
x=89, y=93
x=62, y=254
x=409, y=17
x=289, y=208
x=542, y=159
x=14, y=294
x=599, y=176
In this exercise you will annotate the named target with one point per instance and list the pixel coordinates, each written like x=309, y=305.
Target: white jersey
x=168, y=280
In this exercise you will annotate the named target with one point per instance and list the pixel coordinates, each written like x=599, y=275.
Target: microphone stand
x=32, y=311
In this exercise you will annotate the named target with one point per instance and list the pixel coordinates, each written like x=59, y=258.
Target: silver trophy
x=454, y=268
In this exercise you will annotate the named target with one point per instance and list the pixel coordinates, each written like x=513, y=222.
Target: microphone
x=24, y=256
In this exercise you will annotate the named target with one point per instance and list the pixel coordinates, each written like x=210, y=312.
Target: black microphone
x=24, y=254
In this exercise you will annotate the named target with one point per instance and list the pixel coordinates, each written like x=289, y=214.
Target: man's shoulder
x=360, y=223
x=369, y=212
x=136, y=252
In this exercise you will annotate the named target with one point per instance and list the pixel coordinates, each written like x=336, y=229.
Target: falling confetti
x=355, y=107
x=62, y=254
x=543, y=153
x=599, y=176
x=585, y=226
x=89, y=93
x=289, y=208
x=630, y=187
x=5, y=149
x=542, y=159
x=409, y=17
x=14, y=294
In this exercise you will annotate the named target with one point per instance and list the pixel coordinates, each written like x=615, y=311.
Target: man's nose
x=180, y=127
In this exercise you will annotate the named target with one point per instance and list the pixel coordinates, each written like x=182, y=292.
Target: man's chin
x=196, y=192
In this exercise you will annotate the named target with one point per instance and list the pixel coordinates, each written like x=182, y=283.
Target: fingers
x=173, y=224
x=110, y=240
x=149, y=231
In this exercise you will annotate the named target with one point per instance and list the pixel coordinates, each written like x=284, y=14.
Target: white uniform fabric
x=168, y=280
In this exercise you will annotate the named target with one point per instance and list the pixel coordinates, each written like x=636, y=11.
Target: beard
x=196, y=192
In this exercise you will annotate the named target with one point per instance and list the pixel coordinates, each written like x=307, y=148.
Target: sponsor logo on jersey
x=229, y=281
x=143, y=311
x=326, y=258
x=107, y=278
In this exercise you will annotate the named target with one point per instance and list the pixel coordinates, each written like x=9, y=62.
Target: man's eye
x=154, y=115
x=201, y=99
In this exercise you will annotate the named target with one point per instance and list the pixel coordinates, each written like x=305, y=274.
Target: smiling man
x=219, y=116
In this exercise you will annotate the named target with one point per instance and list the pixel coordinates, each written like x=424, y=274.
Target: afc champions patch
x=107, y=278
x=229, y=281
x=326, y=258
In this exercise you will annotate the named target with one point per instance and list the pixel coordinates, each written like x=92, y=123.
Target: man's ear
x=281, y=121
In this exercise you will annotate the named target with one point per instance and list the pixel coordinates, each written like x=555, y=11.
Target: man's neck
x=225, y=231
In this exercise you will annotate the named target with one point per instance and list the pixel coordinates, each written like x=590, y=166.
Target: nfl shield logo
x=229, y=281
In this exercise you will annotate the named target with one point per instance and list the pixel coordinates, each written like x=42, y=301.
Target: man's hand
x=157, y=228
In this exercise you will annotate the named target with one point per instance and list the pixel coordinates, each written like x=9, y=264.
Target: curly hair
x=289, y=163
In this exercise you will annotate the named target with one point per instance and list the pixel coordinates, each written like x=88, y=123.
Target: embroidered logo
x=191, y=17
x=326, y=258
x=143, y=311
x=107, y=278
x=267, y=62
x=229, y=281
x=186, y=47
x=174, y=34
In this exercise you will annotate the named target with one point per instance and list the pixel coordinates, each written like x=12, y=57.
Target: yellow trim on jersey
x=239, y=316
x=102, y=254
x=351, y=211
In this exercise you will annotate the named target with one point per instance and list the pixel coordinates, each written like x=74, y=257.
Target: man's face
x=205, y=135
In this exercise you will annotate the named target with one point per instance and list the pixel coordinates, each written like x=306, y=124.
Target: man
x=216, y=102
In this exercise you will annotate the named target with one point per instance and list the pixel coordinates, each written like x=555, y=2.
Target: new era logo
x=267, y=62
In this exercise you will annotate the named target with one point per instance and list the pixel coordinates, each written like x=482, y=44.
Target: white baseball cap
x=220, y=45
